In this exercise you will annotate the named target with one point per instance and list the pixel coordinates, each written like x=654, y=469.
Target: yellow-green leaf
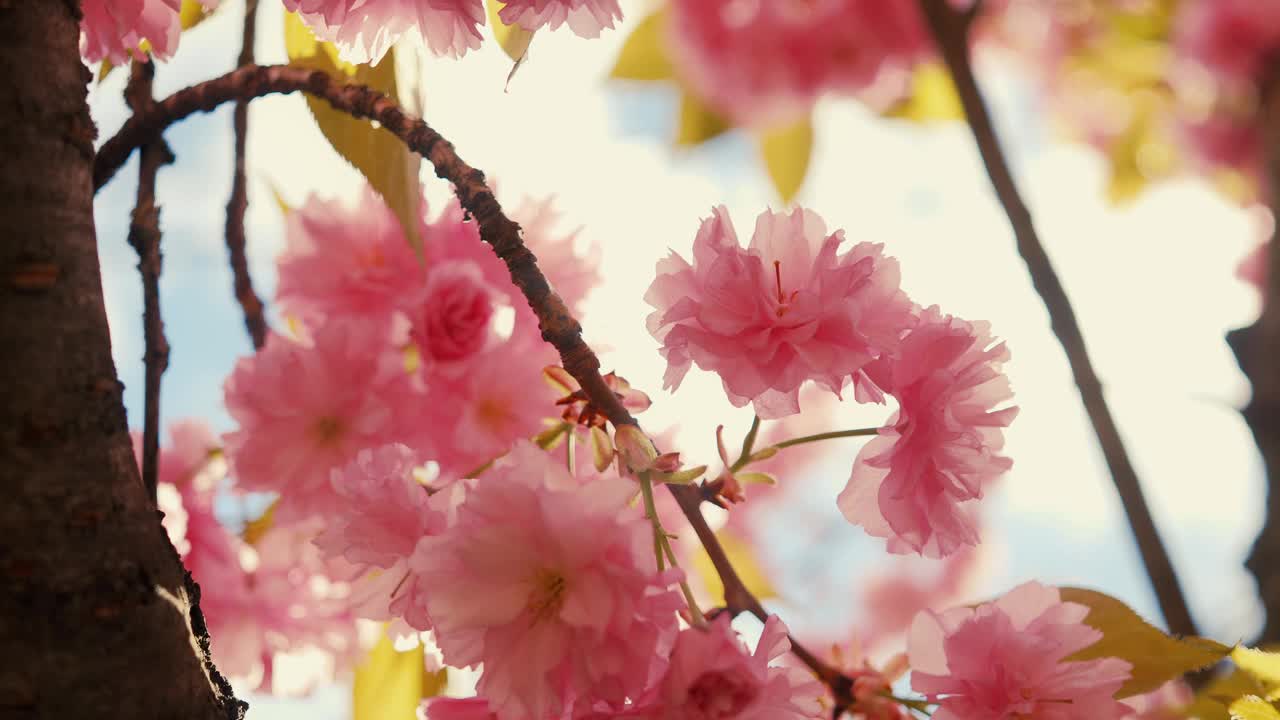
x=389, y=684
x=256, y=528
x=932, y=97
x=1156, y=657
x=193, y=13
x=389, y=166
x=786, y=152
x=698, y=123
x=513, y=39
x=1253, y=707
x=749, y=571
x=1262, y=666
x=644, y=53
x=1212, y=700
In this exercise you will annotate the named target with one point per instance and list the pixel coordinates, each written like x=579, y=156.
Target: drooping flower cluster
x=790, y=308
x=393, y=350
x=1008, y=659
x=545, y=578
x=712, y=675
x=114, y=30
x=262, y=600
x=793, y=308
x=366, y=29
x=940, y=450
x=760, y=63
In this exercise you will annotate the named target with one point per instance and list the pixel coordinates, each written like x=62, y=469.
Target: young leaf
x=256, y=528
x=644, y=54
x=932, y=98
x=786, y=152
x=1262, y=666
x=1156, y=657
x=389, y=166
x=1254, y=708
x=698, y=123
x=743, y=560
x=390, y=683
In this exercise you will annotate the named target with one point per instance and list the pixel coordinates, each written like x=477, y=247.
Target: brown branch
x=1257, y=349
x=558, y=326
x=144, y=236
x=249, y=301
x=950, y=31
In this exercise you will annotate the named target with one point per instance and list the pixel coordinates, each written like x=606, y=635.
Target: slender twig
x=1256, y=348
x=746, y=459
x=559, y=327
x=950, y=30
x=144, y=236
x=238, y=204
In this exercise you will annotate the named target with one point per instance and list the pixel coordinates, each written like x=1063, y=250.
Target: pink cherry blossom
x=549, y=581
x=114, y=30
x=913, y=483
x=304, y=410
x=345, y=260
x=293, y=604
x=386, y=512
x=1006, y=659
x=476, y=411
x=585, y=17
x=713, y=676
x=788, y=309
x=761, y=63
x=572, y=271
x=451, y=322
x=365, y=29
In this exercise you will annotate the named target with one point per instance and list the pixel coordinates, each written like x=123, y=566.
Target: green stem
x=745, y=460
x=651, y=510
x=749, y=442
x=860, y=432
x=662, y=547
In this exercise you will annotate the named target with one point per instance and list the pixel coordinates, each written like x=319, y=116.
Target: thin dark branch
x=950, y=31
x=238, y=204
x=559, y=327
x=144, y=236
x=1257, y=349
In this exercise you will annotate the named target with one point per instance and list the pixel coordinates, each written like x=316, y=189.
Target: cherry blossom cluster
x=760, y=63
x=363, y=29
x=795, y=306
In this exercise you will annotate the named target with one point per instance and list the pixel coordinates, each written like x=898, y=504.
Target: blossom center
x=547, y=597
x=717, y=695
x=783, y=299
x=326, y=430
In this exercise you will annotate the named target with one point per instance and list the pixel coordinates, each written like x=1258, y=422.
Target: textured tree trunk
x=96, y=618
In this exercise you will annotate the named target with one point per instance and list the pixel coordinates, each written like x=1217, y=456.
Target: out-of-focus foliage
x=740, y=554
x=390, y=167
x=786, y=152
x=390, y=684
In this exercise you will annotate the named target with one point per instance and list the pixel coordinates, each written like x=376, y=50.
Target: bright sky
x=1153, y=286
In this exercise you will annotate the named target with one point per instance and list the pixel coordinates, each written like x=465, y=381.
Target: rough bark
x=95, y=618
